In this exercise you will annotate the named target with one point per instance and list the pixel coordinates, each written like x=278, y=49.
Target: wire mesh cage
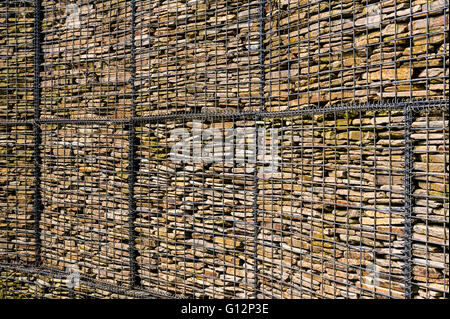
x=224, y=149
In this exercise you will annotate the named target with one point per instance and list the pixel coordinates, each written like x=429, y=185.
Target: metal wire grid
x=430, y=131
x=25, y=282
x=84, y=188
x=329, y=223
x=86, y=59
x=174, y=256
x=333, y=217
x=197, y=56
x=207, y=56
x=17, y=239
x=16, y=60
x=322, y=53
x=196, y=229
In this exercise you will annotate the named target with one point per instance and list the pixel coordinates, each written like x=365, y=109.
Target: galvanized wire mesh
x=224, y=149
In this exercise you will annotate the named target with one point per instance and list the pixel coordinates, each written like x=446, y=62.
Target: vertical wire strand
x=261, y=12
x=407, y=270
x=37, y=29
x=132, y=167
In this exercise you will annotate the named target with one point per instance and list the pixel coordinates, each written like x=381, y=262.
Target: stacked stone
x=86, y=68
x=332, y=216
x=86, y=74
x=16, y=194
x=195, y=217
x=22, y=285
x=430, y=136
x=197, y=56
x=16, y=140
x=85, y=196
x=343, y=52
x=16, y=60
x=330, y=220
x=19, y=285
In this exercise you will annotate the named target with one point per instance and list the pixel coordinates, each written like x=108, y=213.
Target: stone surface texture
x=329, y=222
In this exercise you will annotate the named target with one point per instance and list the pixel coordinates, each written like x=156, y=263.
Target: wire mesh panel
x=332, y=216
x=25, y=283
x=197, y=56
x=17, y=240
x=322, y=53
x=16, y=59
x=20, y=285
x=431, y=213
x=224, y=149
x=194, y=195
x=84, y=224
x=86, y=59
x=16, y=194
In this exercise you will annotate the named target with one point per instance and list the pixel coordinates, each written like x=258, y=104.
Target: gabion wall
x=91, y=92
